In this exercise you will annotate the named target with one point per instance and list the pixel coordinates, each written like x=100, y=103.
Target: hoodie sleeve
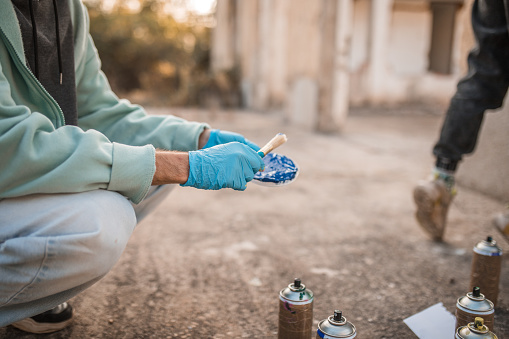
x=100, y=109
x=36, y=157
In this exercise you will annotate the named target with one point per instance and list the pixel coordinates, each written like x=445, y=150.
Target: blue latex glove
x=218, y=137
x=230, y=165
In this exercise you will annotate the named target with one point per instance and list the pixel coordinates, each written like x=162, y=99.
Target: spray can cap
x=297, y=285
x=479, y=324
x=338, y=315
x=296, y=292
x=475, y=330
x=337, y=326
x=488, y=247
x=475, y=301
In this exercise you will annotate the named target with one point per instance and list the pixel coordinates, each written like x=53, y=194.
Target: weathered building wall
x=285, y=59
x=487, y=169
x=247, y=47
x=313, y=59
x=303, y=61
x=391, y=65
x=223, y=52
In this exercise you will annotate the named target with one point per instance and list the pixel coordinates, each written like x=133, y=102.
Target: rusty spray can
x=475, y=330
x=295, y=311
x=486, y=266
x=472, y=305
x=336, y=326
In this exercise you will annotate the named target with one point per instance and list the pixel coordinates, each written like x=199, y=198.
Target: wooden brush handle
x=277, y=141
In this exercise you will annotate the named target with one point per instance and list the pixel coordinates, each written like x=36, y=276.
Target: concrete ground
x=210, y=264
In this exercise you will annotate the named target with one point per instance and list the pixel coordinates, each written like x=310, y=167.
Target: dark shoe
x=53, y=320
x=432, y=199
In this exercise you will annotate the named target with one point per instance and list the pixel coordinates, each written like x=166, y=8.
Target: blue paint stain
x=278, y=169
x=320, y=333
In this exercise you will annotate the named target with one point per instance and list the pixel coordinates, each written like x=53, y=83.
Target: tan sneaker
x=501, y=223
x=432, y=199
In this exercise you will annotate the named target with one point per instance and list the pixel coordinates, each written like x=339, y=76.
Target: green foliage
x=148, y=52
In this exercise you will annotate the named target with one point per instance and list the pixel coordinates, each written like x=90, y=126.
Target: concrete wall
x=315, y=58
x=390, y=65
x=223, y=53
x=303, y=62
x=487, y=169
x=292, y=55
x=410, y=24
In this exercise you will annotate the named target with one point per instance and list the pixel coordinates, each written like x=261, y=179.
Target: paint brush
x=279, y=169
x=275, y=142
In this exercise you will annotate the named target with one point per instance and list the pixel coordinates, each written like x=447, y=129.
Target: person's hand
x=218, y=137
x=230, y=165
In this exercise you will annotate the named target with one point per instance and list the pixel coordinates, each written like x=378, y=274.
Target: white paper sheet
x=435, y=322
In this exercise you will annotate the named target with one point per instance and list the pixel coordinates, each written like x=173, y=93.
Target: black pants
x=484, y=87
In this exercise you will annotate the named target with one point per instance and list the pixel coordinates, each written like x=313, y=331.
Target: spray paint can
x=486, y=266
x=295, y=311
x=472, y=305
x=475, y=330
x=336, y=326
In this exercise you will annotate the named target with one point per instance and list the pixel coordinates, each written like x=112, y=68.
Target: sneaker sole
x=32, y=326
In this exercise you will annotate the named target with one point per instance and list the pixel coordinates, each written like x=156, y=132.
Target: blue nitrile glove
x=230, y=165
x=218, y=137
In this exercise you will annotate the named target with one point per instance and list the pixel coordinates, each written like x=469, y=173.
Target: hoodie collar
x=10, y=27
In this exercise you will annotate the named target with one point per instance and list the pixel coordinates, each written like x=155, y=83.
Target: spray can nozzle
x=296, y=283
x=338, y=315
x=476, y=293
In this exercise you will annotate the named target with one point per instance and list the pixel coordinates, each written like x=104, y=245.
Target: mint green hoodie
x=113, y=146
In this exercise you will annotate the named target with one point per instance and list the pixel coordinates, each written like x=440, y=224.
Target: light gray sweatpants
x=53, y=246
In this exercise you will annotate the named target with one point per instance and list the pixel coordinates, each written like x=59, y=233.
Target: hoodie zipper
x=59, y=116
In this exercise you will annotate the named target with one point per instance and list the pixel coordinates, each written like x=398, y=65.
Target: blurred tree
x=144, y=49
